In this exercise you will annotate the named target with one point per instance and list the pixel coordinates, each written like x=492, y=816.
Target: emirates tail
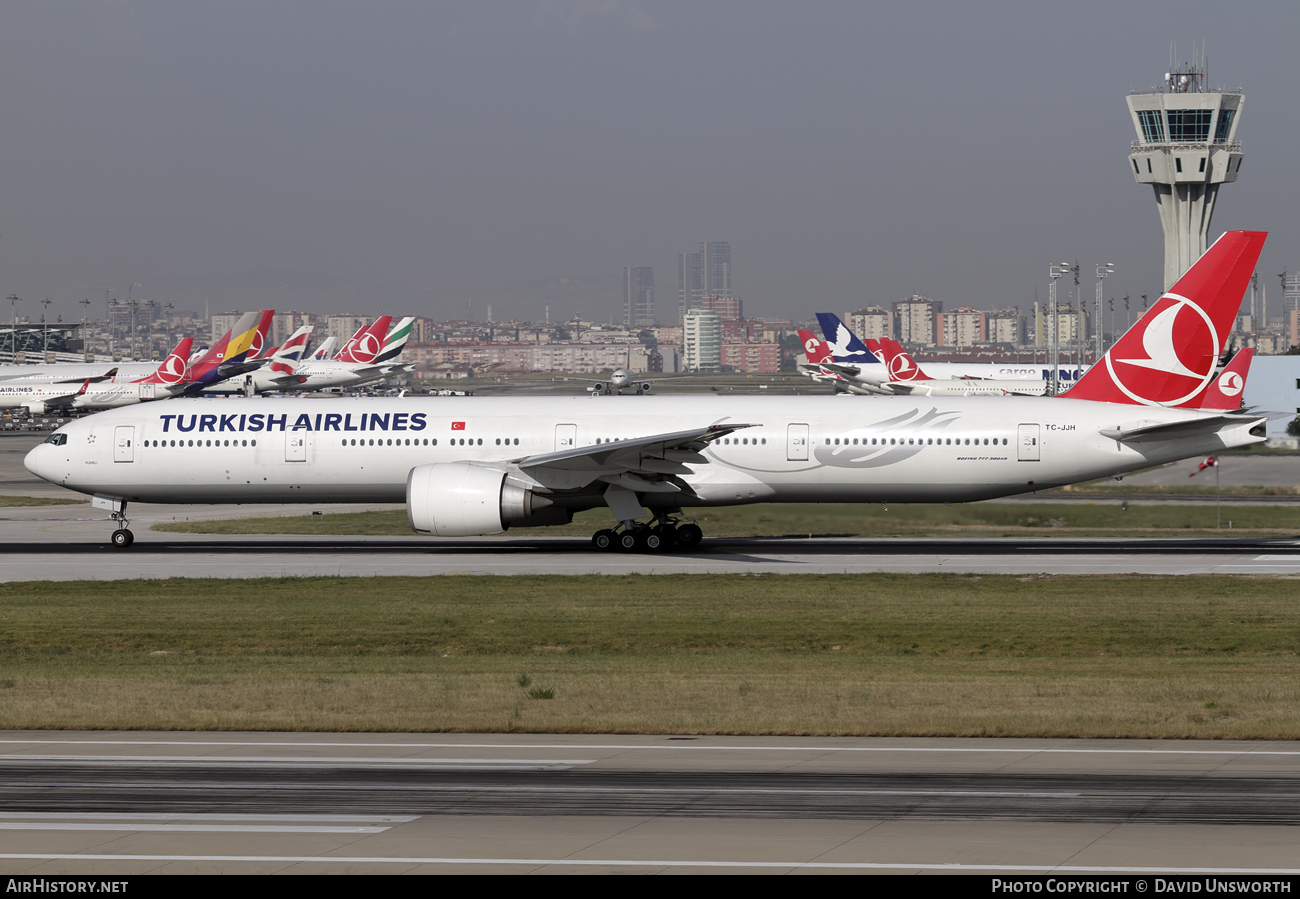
x=1168, y=358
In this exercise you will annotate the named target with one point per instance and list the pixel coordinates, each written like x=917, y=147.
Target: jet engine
x=458, y=499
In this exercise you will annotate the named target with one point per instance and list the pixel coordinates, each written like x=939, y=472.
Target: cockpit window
x=57, y=439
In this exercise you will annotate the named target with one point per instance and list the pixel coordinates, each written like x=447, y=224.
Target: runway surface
x=71, y=542
x=333, y=803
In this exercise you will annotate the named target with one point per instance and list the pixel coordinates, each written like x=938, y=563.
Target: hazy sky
x=422, y=157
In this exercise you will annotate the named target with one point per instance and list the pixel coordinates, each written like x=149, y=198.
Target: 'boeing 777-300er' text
x=480, y=465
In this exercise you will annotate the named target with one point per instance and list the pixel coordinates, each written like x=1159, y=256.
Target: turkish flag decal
x=458, y=425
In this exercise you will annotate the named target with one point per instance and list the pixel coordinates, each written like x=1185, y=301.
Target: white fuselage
x=803, y=449
x=74, y=371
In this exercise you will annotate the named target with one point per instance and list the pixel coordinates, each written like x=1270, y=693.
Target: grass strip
x=1076, y=519
x=10, y=501
x=1205, y=657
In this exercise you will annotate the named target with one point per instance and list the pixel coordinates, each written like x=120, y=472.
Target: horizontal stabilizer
x=1149, y=430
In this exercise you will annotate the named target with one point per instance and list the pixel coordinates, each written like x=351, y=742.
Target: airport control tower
x=1186, y=148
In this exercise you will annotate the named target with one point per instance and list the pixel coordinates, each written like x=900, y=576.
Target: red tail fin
x=1226, y=391
x=259, y=339
x=902, y=367
x=1168, y=357
x=366, y=346
x=816, y=350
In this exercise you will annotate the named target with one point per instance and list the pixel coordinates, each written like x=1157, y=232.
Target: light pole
x=85, y=345
x=168, y=307
x=45, y=321
x=1055, y=271
x=1103, y=271
x=14, y=300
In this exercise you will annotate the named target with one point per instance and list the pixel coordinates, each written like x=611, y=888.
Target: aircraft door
x=295, y=446
x=796, y=443
x=1027, y=438
x=566, y=437
x=124, y=443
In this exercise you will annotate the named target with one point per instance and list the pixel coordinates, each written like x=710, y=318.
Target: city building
x=638, y=296
x=1186, y=148
x=1005, y=327
x=871, y=323
x=730, y=308
x=702, y=341
x=342, y=327
x=705, y=272
x=963, y=326
x=916, y=320
x=752, y=357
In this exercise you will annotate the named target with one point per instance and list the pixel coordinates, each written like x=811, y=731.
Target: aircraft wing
x=1148, y=430
x=657, y=454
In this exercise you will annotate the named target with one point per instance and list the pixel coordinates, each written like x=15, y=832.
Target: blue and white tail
x=845, y=346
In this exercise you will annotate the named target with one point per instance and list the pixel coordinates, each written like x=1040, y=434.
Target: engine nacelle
x=457, y=499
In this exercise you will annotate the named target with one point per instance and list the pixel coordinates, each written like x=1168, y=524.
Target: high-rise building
x=1186, y=148
x=705, y=272
x=872, y=323
x=717, y=267
x=702, y=339
x=638, y=296
x=963, y=326
x=732, y=309
x=1006, y=326
x=690, y=282
x=916, y=320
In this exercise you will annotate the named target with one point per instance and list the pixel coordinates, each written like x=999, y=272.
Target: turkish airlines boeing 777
x=480, y=465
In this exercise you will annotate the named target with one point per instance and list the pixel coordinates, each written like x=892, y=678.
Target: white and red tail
x=1226, y=392
x=322, y=352
x=902, y=367
x=259, y=336
x=365, y=346
x=1168, y=358
x=816, y=350
x=172, y=370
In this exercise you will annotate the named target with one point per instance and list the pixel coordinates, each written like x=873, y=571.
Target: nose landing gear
x=122, y=537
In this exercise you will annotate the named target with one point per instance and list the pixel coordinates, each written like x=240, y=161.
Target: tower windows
x=1153, y=126
x=1189, y=126
x=1202, y=163
x=1178, y=163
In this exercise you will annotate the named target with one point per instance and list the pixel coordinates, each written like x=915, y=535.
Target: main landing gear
x=660, y=534
x=122, y=537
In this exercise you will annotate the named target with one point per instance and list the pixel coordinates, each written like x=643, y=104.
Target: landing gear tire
x=602, y=540
x=628, y=541
x=122, y=538
x=652, y=541
x=689, y=536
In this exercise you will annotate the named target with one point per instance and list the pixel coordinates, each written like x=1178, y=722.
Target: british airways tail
x=1168, y=358
x=845, y=346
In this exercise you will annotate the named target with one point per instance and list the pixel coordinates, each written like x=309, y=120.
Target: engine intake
x=458, y=499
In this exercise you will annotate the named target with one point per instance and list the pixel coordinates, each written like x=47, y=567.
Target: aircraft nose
x=40, y=462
